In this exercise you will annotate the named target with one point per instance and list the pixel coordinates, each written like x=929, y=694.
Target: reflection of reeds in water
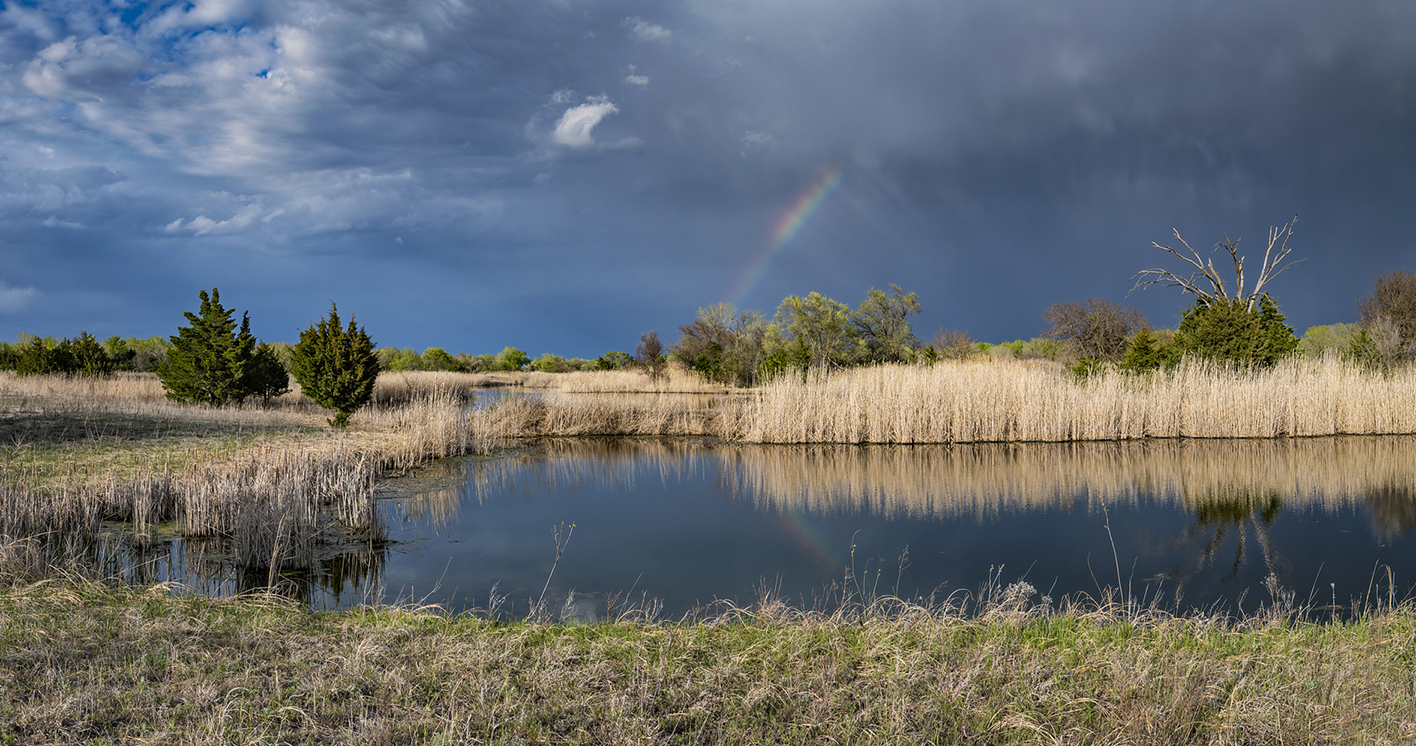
x=984, y=480
x=988, y=479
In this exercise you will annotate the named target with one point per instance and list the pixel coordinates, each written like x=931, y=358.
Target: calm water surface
x=687, y=523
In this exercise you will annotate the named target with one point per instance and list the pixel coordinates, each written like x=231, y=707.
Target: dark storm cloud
x=565, y=175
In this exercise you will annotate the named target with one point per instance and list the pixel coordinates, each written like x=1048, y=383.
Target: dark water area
x=680, y=525
x=685, y=524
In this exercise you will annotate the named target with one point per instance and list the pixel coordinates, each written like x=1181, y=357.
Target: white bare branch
x=1207, y=285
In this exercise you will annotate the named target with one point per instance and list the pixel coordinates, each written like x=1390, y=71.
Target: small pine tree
x=90, y=358
x=209, y=361
x=1143, y=354
x=1230, y=332
x=336, y=367
x=266, y=377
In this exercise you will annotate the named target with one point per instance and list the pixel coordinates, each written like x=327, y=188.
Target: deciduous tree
x=1097, y=329
x=882, y=324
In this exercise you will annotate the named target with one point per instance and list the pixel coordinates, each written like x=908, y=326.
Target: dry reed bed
x=992, y=402
x=675, y=380
x=984, y=480
x=82, y=663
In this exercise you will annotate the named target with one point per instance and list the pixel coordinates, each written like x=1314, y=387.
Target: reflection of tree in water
x=346, y=575
x=1237, y=510
x=1393, y=509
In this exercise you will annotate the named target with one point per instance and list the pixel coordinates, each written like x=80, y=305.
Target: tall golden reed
x=966, y=402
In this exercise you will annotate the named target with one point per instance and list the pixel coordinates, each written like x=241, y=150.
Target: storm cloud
x=563, y=176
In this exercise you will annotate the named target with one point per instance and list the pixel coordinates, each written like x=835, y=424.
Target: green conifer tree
x=209, y=361
x=336, y=366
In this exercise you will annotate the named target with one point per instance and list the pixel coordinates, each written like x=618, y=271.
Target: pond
x=682, y=524
x=677, y=525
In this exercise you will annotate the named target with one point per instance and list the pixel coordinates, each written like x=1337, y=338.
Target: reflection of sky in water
x=689, y=524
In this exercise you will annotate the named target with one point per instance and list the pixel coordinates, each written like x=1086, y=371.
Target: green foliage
x=9, y=356
x=511, y=358
x=1145, y=352
x=614, y=360
x=209, y=361
x=882, y=325
x=1319, y=340
x=723, y=344
x=1085, y=368
x=336, y=366
x=1363, y=350
x=89, y=357
x=119, y=352
x=436, y=358
x=1230, y=332
x=267, y=376
x=787, y=355
x=549, y=363
x=822, y=325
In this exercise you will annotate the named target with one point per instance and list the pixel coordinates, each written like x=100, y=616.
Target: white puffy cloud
x=15, y=299
x=639, y=80
x=573, y=129
x=645, y=31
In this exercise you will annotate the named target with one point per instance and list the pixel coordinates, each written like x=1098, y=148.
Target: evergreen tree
x=209, y=361
x=336, y=367
x=1230, y=332
x=266, y=377
x=89, y=357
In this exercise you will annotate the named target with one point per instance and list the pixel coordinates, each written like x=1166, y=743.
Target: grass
x=86, y=663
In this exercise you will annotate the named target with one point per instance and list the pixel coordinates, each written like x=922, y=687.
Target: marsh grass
x=85, y=662
x=675, y=380
x=1018, y=401
x=265, y=478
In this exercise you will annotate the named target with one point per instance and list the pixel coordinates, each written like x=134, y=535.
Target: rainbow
x=788, y=224
x=809, y=540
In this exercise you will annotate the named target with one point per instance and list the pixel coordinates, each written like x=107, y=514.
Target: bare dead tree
x=1206, y=284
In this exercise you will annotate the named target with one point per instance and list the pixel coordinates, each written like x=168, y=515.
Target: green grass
x=85, y=663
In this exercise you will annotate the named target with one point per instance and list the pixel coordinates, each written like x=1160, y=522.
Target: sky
x=564, y=175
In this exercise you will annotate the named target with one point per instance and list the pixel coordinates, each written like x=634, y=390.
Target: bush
x=89, y=357
x=1230, y=332
x=209, y=361
x=511, y=358
x=267, y=376
x=549, y=363
x=436, y=358
x=336, y=367
x=1146, y=352
x=614, y=360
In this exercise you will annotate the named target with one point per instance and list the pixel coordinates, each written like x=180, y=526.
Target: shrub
x=209, y=361
x=436, y=358
x=1145, y=352
x=549, y=363
x=267, y=376
x=650, y=354
x=511, y=358
x=614, y=360
x=1230, y=332
x=336, y=366
x=89, y=357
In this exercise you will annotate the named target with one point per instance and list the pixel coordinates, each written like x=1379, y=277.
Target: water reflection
x=695, y=520
x=677, y=523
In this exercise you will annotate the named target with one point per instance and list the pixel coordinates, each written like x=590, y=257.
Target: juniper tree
x=209, y=361
x=336, y=366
